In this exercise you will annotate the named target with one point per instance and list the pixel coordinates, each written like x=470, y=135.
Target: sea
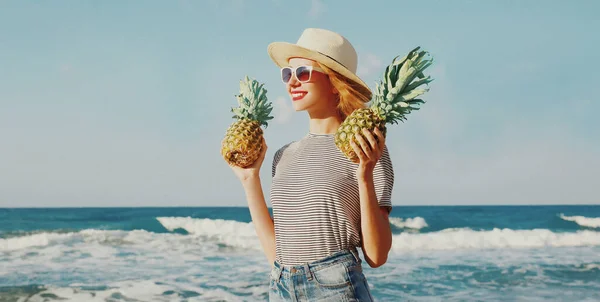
x=439, y=253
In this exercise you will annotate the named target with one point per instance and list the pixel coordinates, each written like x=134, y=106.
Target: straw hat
x=324, y=46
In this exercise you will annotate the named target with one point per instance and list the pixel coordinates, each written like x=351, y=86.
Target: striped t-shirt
x=315, y=199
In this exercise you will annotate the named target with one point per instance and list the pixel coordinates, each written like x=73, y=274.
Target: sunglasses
x=302, y=73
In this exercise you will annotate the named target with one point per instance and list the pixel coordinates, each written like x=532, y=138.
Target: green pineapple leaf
x=253, y=102
x=402, y=81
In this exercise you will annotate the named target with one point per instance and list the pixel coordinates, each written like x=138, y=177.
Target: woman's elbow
x=378, y=260
x=381, y=256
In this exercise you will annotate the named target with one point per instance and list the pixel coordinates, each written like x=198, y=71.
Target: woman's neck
x=326, y=124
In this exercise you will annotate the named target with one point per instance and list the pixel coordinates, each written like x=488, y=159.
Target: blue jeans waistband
x=304, y=269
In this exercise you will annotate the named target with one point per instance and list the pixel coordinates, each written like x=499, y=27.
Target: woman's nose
x=293, y=82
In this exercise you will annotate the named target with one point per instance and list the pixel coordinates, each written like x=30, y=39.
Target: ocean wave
x=201, y=232
x=410, y=223
x=213, y=234
x=42, y=239
x=464, y=238
x=583, y=221
x=229, y=232
x=134, y=290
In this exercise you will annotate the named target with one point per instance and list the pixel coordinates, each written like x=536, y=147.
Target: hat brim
x=281, y=52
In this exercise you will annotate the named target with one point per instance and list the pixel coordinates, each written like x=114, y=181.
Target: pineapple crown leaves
x=395, y=95
x=252, y=102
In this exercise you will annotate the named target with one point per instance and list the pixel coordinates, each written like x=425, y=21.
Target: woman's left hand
x=369, y=151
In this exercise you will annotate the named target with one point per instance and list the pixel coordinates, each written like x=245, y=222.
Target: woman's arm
x=376, y=231
x=261, y=218
x=263, y=223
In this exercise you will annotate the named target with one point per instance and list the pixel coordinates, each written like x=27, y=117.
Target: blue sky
x=124, y=103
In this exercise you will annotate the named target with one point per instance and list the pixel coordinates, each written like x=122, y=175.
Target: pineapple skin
x=242, y=143
x=364, y=118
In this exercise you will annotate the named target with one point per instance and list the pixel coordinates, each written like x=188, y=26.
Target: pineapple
x=242, y=143
x=394, y=98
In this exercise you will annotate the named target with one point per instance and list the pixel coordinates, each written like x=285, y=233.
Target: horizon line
x=233, y=206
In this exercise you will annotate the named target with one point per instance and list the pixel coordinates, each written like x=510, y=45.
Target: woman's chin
x=298, y=106
x=302, y=104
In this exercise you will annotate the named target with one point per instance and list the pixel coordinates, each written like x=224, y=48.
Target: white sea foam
x=23, y=242
x=144, y=290
x=105, y=237
x=243, y=235
x=212, y=263
x=410, y=223
x=203, y=232
x=141, y=290
x=456, y=239
x=583, y=221
x=132, y=265
x=229, y=232
x=213, y=234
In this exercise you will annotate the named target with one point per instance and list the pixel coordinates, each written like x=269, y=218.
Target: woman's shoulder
x=279, y=152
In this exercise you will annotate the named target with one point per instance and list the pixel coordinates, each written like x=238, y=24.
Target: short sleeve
x=277, y=158
x=383, y=179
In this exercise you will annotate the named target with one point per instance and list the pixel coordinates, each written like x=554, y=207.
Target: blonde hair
x=351, y=95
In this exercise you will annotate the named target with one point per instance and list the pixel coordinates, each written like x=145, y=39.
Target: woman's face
x=317, y=94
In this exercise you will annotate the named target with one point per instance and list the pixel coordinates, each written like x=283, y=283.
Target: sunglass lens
x=303, y=74
x=286, y=74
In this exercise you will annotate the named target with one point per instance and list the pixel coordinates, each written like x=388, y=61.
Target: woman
x=324, y=205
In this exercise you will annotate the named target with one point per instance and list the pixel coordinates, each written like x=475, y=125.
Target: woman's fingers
x=364, y=145
x=359, y=152
x=380, y=138
x=375, y=148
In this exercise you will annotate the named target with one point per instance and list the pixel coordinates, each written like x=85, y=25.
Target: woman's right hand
x=252, y=171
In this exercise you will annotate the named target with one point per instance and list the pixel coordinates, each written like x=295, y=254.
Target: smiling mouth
x=298, y=95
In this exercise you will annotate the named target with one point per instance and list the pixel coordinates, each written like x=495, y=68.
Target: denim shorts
x=338, y=277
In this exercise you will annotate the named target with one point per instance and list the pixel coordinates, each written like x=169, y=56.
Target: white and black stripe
x=315, y=199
